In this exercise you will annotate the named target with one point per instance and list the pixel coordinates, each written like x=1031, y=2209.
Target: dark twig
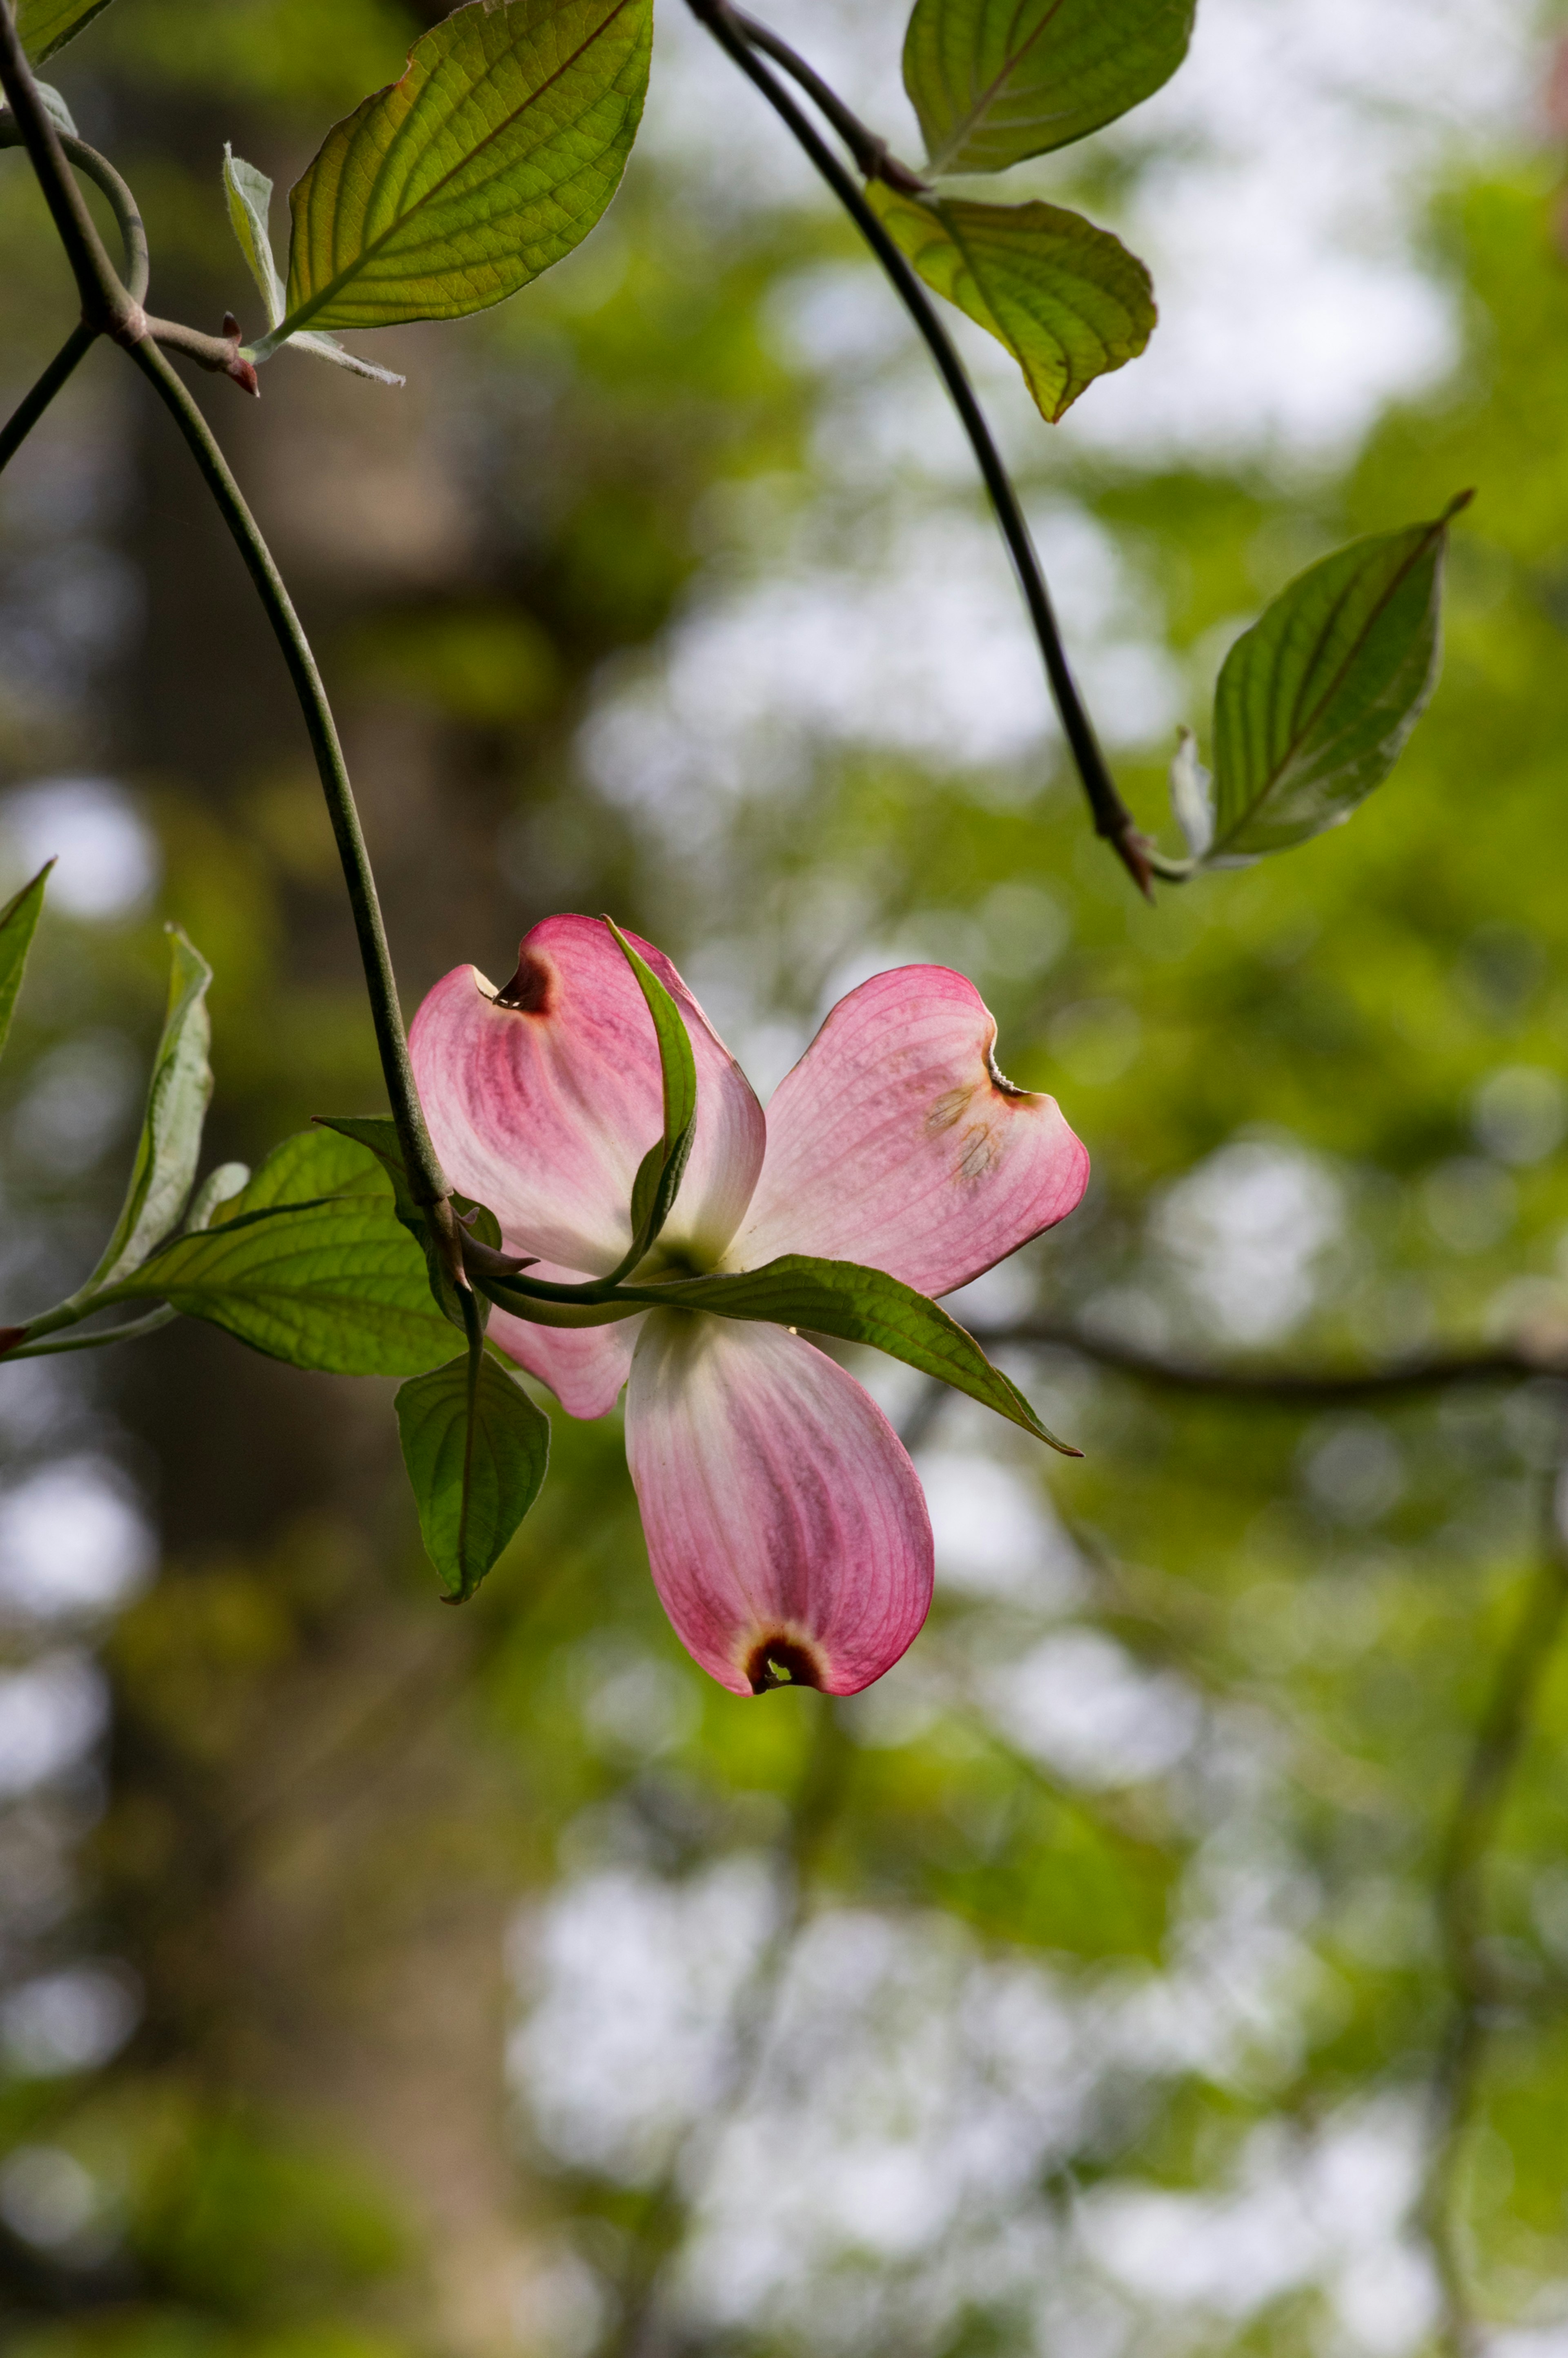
x=1286, y=1387
x=1112, y=818
x=1499, y=1745
x=870, y=150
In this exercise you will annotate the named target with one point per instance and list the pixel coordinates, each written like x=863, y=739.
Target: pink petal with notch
x=543, y=1098
x=896, y=1142
x=786, y=1524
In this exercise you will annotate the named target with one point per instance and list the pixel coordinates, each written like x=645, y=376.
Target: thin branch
x=132, y=1332
x=870, y=150
x=1112, y=817
x=106, y=306
x=425, y=1173
x=1500, y=1741
x=32, y=405
x=1284, y=1387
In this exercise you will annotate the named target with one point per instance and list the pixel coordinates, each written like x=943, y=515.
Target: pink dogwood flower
x=787, y=1527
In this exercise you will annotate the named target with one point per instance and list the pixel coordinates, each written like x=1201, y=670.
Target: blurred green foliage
x=323, y=1803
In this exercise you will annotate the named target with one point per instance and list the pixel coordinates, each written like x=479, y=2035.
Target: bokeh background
x=1171, y=1954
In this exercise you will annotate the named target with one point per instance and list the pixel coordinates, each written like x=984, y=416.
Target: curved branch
x=1282, y=1387
x=1112, y=818
x=419, y=1158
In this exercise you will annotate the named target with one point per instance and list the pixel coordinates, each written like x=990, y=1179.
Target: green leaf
x=249, y=194
x=996, y=80
x=312, y=1164
x=1314, y=702
x=170, y=1145
x=1191, y=798
x=492, y=159
x=662, y=1169
x=861, y=1305
x=339, y=1287
x=1068, y=299
x=476, y=1448
x=45, y=26
x=19, y=923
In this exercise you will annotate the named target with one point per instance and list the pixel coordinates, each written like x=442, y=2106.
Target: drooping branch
x=1500, y=1741
x=741, y=37
x=420, y=1161
x=1280, y=1387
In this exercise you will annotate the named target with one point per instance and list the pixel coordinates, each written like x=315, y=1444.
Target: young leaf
x=170, y=1143
x=45, y=26
x=996, y=80
x=220, y=1187
x=660, y=1172
x=492, y=159
x=476, y=1449
x=19, y=923
x=248, y=193
x=1068, y=299
x=862, y=1306
x=1191, y=799
x=338, y=1286
x=1314, y=702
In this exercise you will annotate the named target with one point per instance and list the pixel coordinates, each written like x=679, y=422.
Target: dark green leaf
x=339, y=1287
x=19, y=923
x=662, y=1169
x=476, y=1448
x=170, y=1143
x=1068, y=299
x=492, y=159
x=995, y=81
x=249, y=195
x=862, y=1306
x=45, y=26
x=1314, y=702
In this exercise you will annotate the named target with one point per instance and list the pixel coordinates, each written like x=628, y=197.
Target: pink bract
x=785, y=1525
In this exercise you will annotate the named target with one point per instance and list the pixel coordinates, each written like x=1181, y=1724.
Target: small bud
x=231, y=326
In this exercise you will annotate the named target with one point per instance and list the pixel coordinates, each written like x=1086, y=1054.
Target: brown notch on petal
x=998, y=1080
x=783, y=1662
x=532, y=990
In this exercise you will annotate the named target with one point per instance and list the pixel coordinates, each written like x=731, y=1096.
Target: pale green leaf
x=476, y=1448
x=996, y=80
x=338, y=1286
x=249, y=194
x=492, y=159
x=1192, y=797
x=1314, y=702
x=220, y=1187
x=45, y=26
x=1068, y=299
x=19, y=923
x=170, y=1143
x=861, y=1305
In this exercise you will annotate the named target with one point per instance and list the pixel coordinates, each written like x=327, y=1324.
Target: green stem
x=419, y=1158
x=1112, y=818
x=106, y=306
x=32, y=405
x=39, y=1349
